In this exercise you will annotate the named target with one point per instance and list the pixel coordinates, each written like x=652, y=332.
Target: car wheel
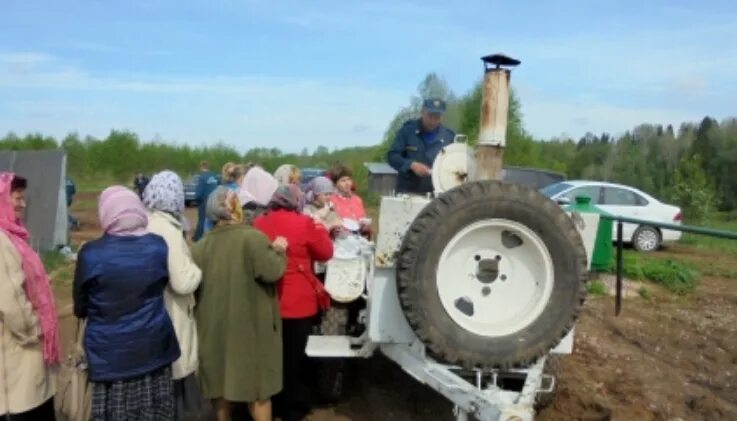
x=491, y=275
x=646, y=239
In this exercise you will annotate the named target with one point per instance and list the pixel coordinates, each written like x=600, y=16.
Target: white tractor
x=468, y=290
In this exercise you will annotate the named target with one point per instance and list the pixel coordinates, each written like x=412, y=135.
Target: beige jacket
x=25, y=381
x=184, y=278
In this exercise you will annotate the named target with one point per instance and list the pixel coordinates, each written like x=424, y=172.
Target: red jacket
x=308, y=242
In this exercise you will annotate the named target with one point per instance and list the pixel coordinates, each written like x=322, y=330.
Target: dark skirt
x=43, y=412
x=189, y=401
x=146, y=398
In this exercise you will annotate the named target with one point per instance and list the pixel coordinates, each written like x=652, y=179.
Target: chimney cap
x=499, y=60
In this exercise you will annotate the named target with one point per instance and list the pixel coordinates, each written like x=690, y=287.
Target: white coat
x=184, y=278
x=25, y=381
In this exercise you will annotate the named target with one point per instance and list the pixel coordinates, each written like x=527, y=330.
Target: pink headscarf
x=36, y=284
x=257, y=186
x=122, y=213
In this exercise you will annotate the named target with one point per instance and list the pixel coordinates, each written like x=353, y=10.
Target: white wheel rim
x=647, y=240
x=522, y=282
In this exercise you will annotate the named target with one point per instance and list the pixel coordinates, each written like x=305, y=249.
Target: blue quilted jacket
x=119, y=287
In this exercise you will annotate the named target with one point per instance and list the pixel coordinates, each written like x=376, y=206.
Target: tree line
x=119, y=156
x=692, y=166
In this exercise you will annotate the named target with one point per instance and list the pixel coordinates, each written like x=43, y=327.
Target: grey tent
x=46, y=215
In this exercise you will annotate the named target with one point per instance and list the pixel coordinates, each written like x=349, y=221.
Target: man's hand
x=280, y=244
x=420, y=169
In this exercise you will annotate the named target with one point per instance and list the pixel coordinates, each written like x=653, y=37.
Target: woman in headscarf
x=255, y=192
x=237, y=311
x=347, y=204
x=231, y=178
x=164, y=198
x=318, y=207
x=319, y=193
x=28, y=321
x=298, y=292
x=290, y=175
x=129, y=340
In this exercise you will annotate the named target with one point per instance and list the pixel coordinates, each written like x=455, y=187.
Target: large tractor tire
x=491, y=275
x=332, y=370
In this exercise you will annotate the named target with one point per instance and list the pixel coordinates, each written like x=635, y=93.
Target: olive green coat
x=237, y=315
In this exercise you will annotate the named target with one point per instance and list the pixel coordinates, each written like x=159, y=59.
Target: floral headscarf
x=223, y=205
x=165, y=192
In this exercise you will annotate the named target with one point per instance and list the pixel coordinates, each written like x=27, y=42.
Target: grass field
x=724, y=221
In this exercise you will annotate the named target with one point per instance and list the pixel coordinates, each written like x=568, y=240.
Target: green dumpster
x=603, y=255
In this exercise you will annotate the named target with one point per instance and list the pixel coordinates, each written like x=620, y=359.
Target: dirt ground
x=665, y=358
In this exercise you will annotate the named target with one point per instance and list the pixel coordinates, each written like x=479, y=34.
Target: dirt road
x=666, y=358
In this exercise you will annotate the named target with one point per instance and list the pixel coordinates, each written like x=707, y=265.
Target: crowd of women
x=171, y=324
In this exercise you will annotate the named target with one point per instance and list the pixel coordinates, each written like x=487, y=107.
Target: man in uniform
x=417, y=144
x=207, y=183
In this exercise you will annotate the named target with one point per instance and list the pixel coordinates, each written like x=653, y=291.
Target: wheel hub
x=495, y=277
x=647, y=240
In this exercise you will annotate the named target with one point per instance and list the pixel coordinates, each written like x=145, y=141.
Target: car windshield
x=309, y=173
x=554, y=189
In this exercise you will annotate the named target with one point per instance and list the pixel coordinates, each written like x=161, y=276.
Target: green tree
x=693, y=190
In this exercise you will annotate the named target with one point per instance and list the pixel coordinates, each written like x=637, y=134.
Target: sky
x=297, y=74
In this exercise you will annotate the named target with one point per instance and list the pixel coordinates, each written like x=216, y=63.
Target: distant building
x=382, y=179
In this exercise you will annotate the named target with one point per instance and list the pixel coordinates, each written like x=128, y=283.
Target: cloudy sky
x=296, y=74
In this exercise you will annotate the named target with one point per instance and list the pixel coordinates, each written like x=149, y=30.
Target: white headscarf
x=282, y=174
x=257, y=186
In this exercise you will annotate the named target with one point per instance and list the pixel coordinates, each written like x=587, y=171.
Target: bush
x=596, y=287
x=645, y=293
x=675, y=276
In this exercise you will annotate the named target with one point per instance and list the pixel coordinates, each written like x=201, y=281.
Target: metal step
x=332, y=347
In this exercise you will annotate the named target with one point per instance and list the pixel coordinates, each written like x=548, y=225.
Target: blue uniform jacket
x=207, y=184
x=119, y=287
x=409, y=147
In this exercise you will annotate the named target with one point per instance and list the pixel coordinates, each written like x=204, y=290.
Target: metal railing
x=619, y=220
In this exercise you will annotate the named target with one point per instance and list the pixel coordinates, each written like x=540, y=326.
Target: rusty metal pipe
x=494, y=108
x=494, y=111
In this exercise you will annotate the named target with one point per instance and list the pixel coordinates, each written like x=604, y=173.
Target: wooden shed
x=382, y=179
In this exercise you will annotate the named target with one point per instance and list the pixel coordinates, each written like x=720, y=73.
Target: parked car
x=190, y=190
x=531, y=177
x=626, y=201
x=308, y=174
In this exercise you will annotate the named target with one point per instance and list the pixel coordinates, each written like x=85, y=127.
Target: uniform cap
x=434, y=105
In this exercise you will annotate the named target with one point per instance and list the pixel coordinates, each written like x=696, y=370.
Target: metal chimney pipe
x=494, y=110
